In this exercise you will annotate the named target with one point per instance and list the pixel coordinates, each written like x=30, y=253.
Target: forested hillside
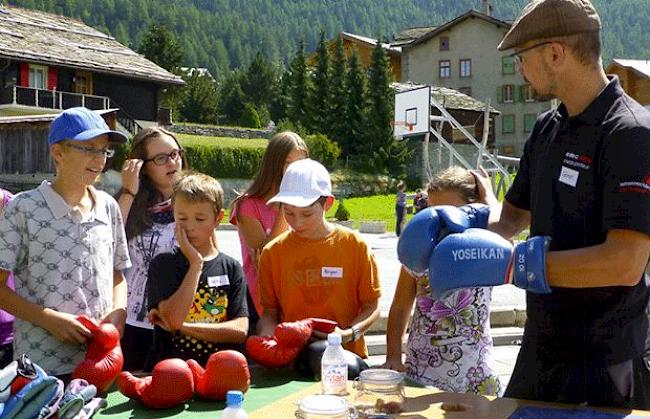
x=226, y=34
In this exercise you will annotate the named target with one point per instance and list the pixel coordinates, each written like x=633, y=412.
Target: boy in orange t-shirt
x=317, y=269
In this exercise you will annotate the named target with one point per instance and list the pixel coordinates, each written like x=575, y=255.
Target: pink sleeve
x=246, y=206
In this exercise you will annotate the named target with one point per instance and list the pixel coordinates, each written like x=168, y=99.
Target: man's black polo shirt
x=580, y=177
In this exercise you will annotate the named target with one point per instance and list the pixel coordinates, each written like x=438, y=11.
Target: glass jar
x=379, y=391
x=324, y=407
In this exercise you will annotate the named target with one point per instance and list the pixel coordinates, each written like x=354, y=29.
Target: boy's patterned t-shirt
x=63, y=261
x=220, y=296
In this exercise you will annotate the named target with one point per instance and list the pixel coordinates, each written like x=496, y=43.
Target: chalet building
x=364, y=46
x=635, y=78
x=462, y=55
x=49, y=63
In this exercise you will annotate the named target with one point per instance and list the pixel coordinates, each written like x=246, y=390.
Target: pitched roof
x=411, y=34
x=370, y=41
x=449, y=98
x=442, y=28
x=47, y=38
x=642, y=67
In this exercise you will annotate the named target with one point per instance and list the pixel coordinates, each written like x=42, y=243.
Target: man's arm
x=63, y=326
x=117, y=316
x=230, y=331
x=619, y=261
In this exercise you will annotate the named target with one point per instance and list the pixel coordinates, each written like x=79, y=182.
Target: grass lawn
x=225, y=142
x=370, y=208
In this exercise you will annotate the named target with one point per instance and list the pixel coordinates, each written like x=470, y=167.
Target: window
x=466, y=68
x=445, y=69
x=508, y=65
x=444, y=43
x=38, y=76
x=508, y=124
x=466, y=90
x=529, y=121
x=508, y=93
x=529, y=93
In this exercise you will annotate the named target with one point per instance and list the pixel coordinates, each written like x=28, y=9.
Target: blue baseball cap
x=81, y=124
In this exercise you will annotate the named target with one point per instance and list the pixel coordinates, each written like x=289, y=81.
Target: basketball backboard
x=412, y=112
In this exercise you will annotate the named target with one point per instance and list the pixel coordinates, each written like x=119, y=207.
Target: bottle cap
x=333, y=339
x=234, y=398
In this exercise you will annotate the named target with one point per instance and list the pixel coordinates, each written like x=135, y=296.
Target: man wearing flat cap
x=583, y=180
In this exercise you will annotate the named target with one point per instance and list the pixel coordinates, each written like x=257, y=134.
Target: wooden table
x=274, y=394
x=428, y=403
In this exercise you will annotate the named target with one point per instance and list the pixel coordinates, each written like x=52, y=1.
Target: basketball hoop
x=410, y=126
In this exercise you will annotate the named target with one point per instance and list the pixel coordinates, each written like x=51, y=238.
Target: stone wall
x=233, y=132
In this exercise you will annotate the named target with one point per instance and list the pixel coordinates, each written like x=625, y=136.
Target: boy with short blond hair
x=65, y=244
x=197, y=295
x=317, y=269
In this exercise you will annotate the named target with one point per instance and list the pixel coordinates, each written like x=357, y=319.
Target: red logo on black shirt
x=636, y=187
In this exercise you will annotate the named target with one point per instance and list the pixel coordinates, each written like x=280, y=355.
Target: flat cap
x=550, y=18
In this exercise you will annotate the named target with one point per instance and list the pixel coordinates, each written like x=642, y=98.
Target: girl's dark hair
x=269, y=175
x=139, y=219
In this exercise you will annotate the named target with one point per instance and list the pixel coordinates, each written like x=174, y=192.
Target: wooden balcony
x=50, y=99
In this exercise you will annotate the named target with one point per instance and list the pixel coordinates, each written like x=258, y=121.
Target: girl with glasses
x=148, y=175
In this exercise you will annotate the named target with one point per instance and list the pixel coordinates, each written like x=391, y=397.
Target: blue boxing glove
x=430, y=225
x=481, y=258
x=31, y=399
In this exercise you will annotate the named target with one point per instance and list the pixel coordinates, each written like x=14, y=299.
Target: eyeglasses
x=163, y=158
x=100, y=152
x=517, y=55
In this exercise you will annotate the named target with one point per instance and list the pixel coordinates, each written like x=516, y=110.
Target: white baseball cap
x=303, y=183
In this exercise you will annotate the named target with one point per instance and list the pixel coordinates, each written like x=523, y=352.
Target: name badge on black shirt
x=218, y=281
x=569, y=176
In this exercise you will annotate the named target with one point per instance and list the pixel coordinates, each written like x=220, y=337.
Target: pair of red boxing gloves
x=289, y=338
x=174, y=381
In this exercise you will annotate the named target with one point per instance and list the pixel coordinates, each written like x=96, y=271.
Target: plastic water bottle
x=334, y=367
x=234, y=410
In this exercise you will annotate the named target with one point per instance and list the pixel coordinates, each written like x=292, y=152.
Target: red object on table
x=323, y=325
x=171, y=383
x=104, y=359
x=226, y=370
x=283, y=347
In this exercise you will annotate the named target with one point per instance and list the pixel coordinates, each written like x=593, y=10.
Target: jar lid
x=381, y=376
x=322, y=404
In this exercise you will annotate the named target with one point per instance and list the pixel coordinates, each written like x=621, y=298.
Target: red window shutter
x=24, y=75
x=51, y=78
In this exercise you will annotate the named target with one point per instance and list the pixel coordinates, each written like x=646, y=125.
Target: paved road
x=384, y=245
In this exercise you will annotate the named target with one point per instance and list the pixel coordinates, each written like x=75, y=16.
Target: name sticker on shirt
x=331, y=272
x=218, y=281
x=569, y=176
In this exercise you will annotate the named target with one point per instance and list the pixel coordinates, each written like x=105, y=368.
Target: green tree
x=298, y=87
x=355, y=111
x=200, y=99
x=161, y=46
x=388, y=155
x=319, y=117
x=258, y=81
x=338, y=93
x=233, y=100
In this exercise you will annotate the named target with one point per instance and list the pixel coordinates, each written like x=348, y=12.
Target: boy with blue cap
x=64, y=242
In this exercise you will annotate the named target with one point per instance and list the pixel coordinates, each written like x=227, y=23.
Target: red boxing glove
x=323, y=325
x=170, y=384
x=104, y=359
x=283, y=347
x=226, y=370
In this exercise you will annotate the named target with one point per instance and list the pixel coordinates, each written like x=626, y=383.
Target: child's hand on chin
x=189, y=251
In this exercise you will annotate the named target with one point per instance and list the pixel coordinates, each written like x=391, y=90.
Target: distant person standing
x=400, y=207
